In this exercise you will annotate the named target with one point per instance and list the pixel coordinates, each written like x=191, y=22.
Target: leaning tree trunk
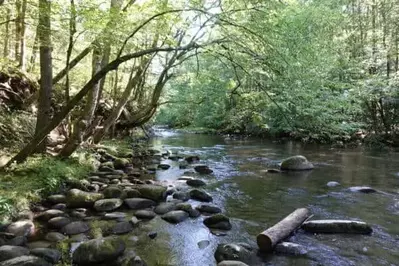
x=44, y=107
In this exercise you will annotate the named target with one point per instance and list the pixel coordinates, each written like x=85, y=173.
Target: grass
x=39, y=176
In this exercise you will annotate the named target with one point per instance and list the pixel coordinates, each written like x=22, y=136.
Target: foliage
x=38, y=177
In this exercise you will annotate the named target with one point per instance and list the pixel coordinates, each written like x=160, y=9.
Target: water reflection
x=255, y=199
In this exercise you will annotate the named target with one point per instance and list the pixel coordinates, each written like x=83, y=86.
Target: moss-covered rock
x=77, y=198
x=153, y=192
x=121, y=163
x=218, y=221
x=98, y=251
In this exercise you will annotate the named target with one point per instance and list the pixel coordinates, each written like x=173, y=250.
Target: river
x=255, y=200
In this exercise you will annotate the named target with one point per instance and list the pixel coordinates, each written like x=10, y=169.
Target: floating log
x=269, y=238
x=337, y=227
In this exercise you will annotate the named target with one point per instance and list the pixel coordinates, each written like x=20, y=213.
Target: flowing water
x=255, y=200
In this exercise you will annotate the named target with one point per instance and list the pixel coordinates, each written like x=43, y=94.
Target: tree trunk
x=22, y=56
x=280, y=231
x=17, y=30
x=337, y=227
x=7, y=34
x=44, y=107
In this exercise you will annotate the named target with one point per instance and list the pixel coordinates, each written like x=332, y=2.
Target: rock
x=333, y=184
x=10, y=252
x=139, y=203
x=75, y=228
x=58, y=222
x=337, y=227
x=218, y=221
x=203, y=244
x=114, y=216
x=231, y=263
x=78, y=184
x=122, y=228
x=130, y=258
x=175, y=216
x=106, y=166
x=121, y=163
x=145, y=214
x=16, y=241
x=195, y=183
x=54, y=237
x=25, y=261
x=134, y=221
x=55, y=199
x=77, y=198
x=152, y=235
x=113, y=192
x=203, y=169
x=132, y=193
x=165, y=207
x=98, y=251
x=153, y=192
x=183, y=165
x=192, y=159
x=105, y=205
x=206, y=208
x=59, y=206
x=236, y=252
x=273, y=171
x=184, y=196
x=185, y=178
x=78, y=238
x=79, y=213
x=296, y=163
x=288, y=248
x=200, y=195
x=39, y=244
x=163, y=166
x=193, y=213
x=50, y=255
x=21, y=228
x=362, y=189
x=47, y=215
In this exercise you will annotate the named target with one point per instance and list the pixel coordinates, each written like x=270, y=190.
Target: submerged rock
x=362, y=189
x=195, y=183
x=235, y=252
x=192, y=159
x=288, y=248
x=333, y=184
x=203, y=169
x=218, y=221
x=98, y=251
x=175, y=216
x=296, y=163
x=337, y=227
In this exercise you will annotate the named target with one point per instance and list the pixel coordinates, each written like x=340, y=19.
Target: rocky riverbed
x=184, y=207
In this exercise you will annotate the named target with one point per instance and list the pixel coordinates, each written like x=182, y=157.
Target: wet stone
x=152, y=235
x=122, y=228
x=114, y=216
x=16, y=241
x=47, y=215
x=58, y=222
x=75, y=228
x=59, y=206
x=10, y=252
x=50, y=255
x=165, y=207
x=333, y=184
x=145, y=214
x=54, y=237
x=200, y=195
x=195, y=183
x=203, y=244
x=232, y=263
x=39, y=244
x=21, y=228
x=288, y=248
x=218, y=221
x=132, y=193
x=211, y=209
x=107, y=204
x=163, y=166
x=203, y=169
x=113, y=192
x=184, y=196
x=362, y=189
x=237, y=252
x=139, y=203
x=26, y=261
x=55, y=199
x=175, y=216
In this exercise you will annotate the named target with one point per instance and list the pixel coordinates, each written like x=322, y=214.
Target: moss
x=39, y=176
x=100, y=228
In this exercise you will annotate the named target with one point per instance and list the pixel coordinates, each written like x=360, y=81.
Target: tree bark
x=17, y=30
x=269, y=238
x=337, y=227
x=35, y=47
x=44, y=107
x=22, y=48
x=7, y=34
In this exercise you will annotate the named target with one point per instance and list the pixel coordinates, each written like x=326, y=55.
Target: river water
x=255, y=200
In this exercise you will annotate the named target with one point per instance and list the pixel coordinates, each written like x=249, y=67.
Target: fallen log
x=269, y=238
x=337, y=227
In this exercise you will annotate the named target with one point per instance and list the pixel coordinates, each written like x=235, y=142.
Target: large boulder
x=296, y=163
x=105, y=205
x=98, y=251
x=153, y=192
x=80, y=199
